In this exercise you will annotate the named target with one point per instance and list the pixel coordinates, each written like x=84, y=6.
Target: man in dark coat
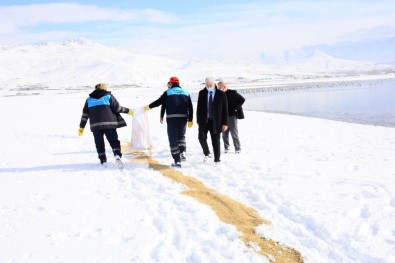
x=235, y=111
x=179, y=111
x=212, y=116
x=103, y=111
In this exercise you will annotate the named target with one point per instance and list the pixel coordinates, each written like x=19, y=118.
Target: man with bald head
x=212, y=116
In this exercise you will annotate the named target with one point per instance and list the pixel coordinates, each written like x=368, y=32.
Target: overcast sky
x=197, y=28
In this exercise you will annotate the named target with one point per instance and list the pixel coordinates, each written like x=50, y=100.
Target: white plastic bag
x=141, y=135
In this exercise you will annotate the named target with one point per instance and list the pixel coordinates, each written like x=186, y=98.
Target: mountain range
x=82, y=62
x=380, y=51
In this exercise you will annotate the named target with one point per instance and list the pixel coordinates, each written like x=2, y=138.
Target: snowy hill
x=82, y=62
x=373, y=50
x=324, y=62
x=344, y=53
x=78, y=63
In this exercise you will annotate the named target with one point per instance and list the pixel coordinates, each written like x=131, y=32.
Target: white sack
x=141, y=135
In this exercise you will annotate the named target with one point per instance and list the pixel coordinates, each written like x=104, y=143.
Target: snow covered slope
x=79, y=63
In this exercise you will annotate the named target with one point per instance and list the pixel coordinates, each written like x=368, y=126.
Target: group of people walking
x=218, y=109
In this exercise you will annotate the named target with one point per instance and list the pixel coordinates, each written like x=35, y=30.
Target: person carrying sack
x=103, y=111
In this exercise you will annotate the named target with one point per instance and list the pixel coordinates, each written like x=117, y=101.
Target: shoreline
x=259, y=87
x=323, y=118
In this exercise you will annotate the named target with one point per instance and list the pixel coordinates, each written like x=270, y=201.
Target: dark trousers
x=112, y=138
x=176, y=128
x=215, y=140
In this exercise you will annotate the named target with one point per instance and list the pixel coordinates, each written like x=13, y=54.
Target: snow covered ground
x=327, y=187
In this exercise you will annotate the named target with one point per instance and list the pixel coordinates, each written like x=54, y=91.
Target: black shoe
x=176, y=164
x=117, y=152
x=103, y=161
x=183, y=157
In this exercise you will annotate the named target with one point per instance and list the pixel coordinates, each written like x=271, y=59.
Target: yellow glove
x=190, y=124
x=131, y=113
x=146, y=108
x=80, y=131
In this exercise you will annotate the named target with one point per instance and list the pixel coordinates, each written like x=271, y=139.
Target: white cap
x=221, y=80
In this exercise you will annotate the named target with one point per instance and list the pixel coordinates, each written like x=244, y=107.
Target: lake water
x=365, y=102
